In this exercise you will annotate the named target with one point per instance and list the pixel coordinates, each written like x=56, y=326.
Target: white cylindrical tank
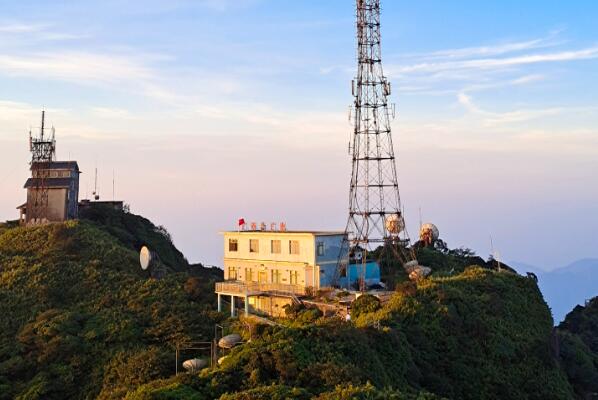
x=195, y=364
x=229, y=341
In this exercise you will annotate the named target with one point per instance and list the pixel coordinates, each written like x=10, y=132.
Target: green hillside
x=578, y=338
x=480, y=334
x=79, y=319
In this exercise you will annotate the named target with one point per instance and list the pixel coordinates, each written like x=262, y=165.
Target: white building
x=270, y=269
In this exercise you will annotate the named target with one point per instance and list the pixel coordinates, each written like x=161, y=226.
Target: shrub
x=364, y=304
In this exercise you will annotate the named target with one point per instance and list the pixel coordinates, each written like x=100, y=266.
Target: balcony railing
x=254, y=288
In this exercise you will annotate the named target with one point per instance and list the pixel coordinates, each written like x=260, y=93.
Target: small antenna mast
x=113, y=185
x=96, y=193
x=43, y=123
x=495, y=255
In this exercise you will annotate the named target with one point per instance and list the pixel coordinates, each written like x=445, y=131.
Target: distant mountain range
x=565, y=287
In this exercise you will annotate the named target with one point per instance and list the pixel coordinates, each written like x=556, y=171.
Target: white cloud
x=496, y=118
x=75, y=66
x=20, y=28
x=14, y=34
x=499, y=63
x=490, y=50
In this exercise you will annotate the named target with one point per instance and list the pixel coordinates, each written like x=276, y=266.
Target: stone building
x=60, y=181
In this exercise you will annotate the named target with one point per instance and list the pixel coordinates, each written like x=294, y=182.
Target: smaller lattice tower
x=43, y=153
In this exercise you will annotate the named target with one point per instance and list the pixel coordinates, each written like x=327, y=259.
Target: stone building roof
x=70, y=165
x=49, y=182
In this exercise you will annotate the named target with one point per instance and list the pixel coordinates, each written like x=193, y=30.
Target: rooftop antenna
x=112, y=184
x=43, y=152
x=375, y=211
x=495, y=254
x=96, y=193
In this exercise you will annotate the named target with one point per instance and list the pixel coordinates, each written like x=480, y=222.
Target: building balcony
x=239, y=288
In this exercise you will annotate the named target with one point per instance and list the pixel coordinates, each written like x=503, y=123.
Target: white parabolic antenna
x=145, y=257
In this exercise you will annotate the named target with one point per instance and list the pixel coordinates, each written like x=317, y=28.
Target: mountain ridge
x=567, y=286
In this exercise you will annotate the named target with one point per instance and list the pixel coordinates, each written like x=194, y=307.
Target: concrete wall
x=332, y=247
x=306, y=246
x=263, y=262
x=312, y=270
x=262, y=271
x=270, y=305
x=354, y=272
x=57, y=204
x=73, y=197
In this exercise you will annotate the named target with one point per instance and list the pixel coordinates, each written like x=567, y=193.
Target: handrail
x=258, y=287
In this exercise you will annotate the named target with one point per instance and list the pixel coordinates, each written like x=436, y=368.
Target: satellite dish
x=145, y=258
x=394, y=224
x=150, y=261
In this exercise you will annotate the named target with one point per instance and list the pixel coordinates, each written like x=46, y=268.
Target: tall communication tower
x=43, y=152
x=375, y=213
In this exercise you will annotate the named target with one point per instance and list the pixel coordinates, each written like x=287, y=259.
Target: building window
x=275, y=276
x=249, y=277
x=293, y=247
x=262, y=277
x=233, y=245
x=320, y=248
x=343, y=271
x=254, y=246
x=293, y=277
x=275, y=246
x=232, y=273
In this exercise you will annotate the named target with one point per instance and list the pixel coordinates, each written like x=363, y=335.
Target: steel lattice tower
x=375, y=213
x=43, y=152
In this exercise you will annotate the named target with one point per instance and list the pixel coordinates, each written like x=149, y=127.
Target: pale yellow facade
x=269, y=269
x=280, y=257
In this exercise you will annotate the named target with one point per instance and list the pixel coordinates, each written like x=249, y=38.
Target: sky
x=207, y=111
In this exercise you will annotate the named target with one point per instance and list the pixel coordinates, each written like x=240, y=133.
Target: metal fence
x=250, y=288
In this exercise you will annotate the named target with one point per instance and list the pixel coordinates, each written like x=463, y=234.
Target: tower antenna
x=96, y=193
x=375, y=226
x=43, y=152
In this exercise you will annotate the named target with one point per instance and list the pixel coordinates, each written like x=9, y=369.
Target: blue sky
x=212, y=110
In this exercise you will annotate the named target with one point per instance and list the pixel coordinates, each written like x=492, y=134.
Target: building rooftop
x=49, y=182
x=293, y=232
x=60, y=165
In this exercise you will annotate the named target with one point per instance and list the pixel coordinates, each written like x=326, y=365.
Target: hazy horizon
x=209, y=111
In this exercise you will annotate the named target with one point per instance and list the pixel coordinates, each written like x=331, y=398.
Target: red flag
x=241, y=221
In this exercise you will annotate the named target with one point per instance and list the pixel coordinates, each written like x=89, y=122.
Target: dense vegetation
x=134, y=231
x=480, y=334
x=80, y=319
x=578, y=338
